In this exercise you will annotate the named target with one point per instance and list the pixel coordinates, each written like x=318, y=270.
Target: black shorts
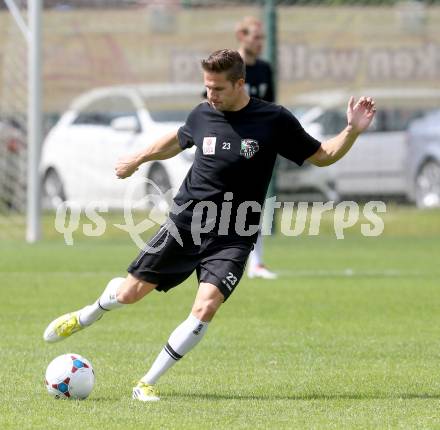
x=218, y=260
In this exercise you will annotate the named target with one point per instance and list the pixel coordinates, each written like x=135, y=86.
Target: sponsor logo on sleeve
x=209, y=145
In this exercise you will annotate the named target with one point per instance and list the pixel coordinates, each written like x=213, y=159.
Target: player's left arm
x=359, y=117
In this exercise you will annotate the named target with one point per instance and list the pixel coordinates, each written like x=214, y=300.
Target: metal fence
x=320, y=47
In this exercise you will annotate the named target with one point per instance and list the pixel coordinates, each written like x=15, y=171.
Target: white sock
x=185, y=337
x=106, y=302
x=256, y=256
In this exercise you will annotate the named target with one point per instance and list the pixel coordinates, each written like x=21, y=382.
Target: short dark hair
x=226, y=60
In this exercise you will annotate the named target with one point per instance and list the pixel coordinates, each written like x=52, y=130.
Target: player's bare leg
x=118, y=292
x=185, y=337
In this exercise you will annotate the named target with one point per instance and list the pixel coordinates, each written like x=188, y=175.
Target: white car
x=424, y=160
x=80, y=152
x=377, y=165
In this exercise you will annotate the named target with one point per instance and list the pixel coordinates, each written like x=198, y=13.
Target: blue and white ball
x=70, y=376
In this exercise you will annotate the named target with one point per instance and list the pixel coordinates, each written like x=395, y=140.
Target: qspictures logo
x=297, y=218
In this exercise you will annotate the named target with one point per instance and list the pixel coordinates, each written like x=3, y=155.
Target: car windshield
x=387, y=119
x=171, y=108
x=169, y=115
x=104, y=110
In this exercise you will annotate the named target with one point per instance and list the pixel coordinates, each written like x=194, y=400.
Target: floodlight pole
x=33, y=226
x=32, y=34
x=270, y=23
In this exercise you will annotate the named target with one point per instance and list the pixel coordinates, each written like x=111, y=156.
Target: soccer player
x=259, y=84
x=237, y=139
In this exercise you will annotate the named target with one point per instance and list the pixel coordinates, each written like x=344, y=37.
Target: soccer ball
x=70, y=376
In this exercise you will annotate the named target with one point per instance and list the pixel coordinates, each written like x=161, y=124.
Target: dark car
x=12, y=165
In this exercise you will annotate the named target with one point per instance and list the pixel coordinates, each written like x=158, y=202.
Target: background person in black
x=259, y=84
x=259, y=77
x=229, y=117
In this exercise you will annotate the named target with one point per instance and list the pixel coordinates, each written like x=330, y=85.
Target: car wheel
x=159, y=179
x=53, y=190
x=428, y=185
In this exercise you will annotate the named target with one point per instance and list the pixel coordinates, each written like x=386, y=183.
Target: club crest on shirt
x=209, y=145
x=248, y=148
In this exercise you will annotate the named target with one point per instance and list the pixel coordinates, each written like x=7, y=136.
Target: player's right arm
x=165, y=147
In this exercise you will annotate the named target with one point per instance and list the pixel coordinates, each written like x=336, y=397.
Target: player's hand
x=360, y=115
x=126, y=166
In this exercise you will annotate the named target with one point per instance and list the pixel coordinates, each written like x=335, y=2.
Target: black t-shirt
x=236, y=153
x=259, y=80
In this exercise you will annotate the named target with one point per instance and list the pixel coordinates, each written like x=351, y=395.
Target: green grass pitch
x=347, y=338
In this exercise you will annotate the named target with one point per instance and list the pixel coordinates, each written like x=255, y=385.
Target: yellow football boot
x=145, y=392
